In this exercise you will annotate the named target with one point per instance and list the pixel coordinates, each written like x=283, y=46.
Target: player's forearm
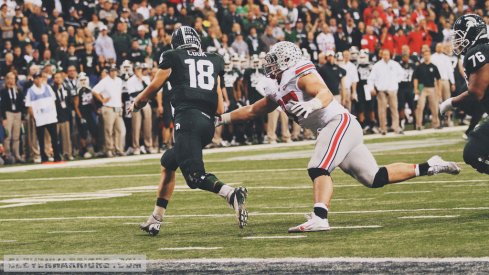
x=243, y=114
x=325, y=96
x=460, y=99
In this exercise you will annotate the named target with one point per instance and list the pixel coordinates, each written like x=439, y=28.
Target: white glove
x=446, y=106
x=305, y=108
x=222, y=119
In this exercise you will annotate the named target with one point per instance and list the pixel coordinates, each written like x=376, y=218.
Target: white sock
x=321, y=205
x=416, y=170
x=225, y=191
x=158, y=212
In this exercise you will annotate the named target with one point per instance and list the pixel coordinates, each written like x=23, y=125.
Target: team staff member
x=334, y=77
x=135, y=85
x=427, y=75
x=40, y=101
x=447, y=81
x=109, y=92
x=63, y=108
x=385, y=76
x=12, y=106
x=197, y=97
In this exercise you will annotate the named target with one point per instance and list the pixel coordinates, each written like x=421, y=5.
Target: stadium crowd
x=70, y=69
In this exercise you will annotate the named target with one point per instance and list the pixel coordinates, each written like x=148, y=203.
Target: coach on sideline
x=109, y=92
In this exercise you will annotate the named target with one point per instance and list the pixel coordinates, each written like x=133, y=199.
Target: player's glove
x=222, y=119
x=83, y=121
x=305, y=108
x=446, y=106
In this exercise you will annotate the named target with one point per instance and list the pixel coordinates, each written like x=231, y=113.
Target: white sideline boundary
x=251, y=214
x=95, y=162
x=325, y=260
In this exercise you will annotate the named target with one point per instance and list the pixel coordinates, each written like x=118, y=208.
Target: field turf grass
x=440, y=216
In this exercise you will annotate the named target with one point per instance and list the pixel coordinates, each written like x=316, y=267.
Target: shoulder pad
x=475, y=58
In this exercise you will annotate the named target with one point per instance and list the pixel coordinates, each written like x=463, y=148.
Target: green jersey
x=193, y=79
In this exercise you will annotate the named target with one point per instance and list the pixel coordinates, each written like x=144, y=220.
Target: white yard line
x=70, y=231
x=356, y=227
x=275, y=237
x=8, y=241
x=191, y=248
x=325, y=260
x=429, y=217
x=17, y=205
x=407, y=192
x=251, y=214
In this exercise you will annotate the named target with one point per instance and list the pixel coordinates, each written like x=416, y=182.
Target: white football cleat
x=313, y=224
x=151, y=226
x=438, y=165
x=237, y=200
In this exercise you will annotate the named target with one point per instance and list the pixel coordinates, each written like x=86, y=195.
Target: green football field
x=96, y=209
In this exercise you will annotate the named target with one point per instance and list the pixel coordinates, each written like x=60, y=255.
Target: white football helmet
x=255, y=62
x=83, y=80
x=245, y=62
x=281, y=57
x=354, y=53
x=228, y=65
x=363, y=57
x=126, y=67
x=236, y=61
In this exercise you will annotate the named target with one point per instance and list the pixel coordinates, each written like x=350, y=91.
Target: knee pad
x=317, y=172
x=193, y=171
x=381, y=178
x=169, y=160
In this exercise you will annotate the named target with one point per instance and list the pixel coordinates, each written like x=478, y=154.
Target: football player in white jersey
x=302, y=93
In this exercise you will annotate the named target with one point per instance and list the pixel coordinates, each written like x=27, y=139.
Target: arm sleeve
x=166, y=60
x=437, y=73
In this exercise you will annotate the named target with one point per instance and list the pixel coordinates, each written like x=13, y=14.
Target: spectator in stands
x=325, y=39
x=239, y=45
x=12, y=107
x=268, y=39
x=104, y=46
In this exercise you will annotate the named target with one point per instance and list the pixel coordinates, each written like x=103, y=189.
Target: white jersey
x=288, y=90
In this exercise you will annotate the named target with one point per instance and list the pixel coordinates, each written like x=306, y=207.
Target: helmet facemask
x=459, y=42
x=271, y=66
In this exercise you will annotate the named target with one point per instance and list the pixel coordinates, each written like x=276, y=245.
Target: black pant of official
x=193, y=130
x=51, y=128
